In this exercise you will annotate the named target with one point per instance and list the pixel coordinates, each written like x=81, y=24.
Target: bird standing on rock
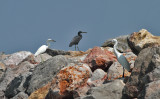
x=76, y=40
x=43, y=48
x=121, y=59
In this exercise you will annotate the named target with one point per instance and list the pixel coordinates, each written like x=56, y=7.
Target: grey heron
x=43, y=48
x=76, y=40
x=121, y=59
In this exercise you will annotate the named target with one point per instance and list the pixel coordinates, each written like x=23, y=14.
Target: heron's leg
x=78, y=48
x=75, y=47
x=123, y=72
x=41, y=58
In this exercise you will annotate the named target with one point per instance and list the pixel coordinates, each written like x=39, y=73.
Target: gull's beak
x=84, y=32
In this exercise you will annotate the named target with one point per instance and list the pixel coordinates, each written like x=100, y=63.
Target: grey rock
x=44, y=72
x=17, y=85
x=98, y=74
x=16, y=58
x=111, y=90
x=122, y=43
x=12, y=72
x=44, y=56
x=54, y=52
x=20, y=95
x=145, y=71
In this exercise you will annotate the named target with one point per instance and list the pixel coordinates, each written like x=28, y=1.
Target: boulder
x=20, y=95
x=16, y=58
x=70, y=82
x=111, y=90
x=2, y=71
x=142, y=39
x=99, y=58
x=122, y=43
x=144, y=75
x=12, y=72
x=17, y=85
x=44, y=56
x=44, y=72
x=54, y=52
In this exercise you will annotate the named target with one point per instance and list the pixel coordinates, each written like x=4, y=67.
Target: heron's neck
x=48, y=43
x=115, y=49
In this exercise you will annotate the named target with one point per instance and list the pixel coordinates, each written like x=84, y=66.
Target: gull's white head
x=114, y=40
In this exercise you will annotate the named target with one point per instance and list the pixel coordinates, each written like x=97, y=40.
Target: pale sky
x=25, y=25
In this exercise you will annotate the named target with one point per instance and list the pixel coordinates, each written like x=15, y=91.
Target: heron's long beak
x=53, y=40
x=84, y=32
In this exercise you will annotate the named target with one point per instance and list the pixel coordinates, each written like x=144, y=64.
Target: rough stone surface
x=17, y=85
x=98, y=74
x=44, y=72
x=17, y=58
x=44, y=56
x=111, y=90
x=54, y=52
x=122, y=43
x=12, y=72
x=71, y=82
x=99, y=58
x=142, y=39
x=145, y=72
x=20, y=95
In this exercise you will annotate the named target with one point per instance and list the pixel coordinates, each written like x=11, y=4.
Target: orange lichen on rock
x=72, y=77
x=100, y=58
x=40, y=93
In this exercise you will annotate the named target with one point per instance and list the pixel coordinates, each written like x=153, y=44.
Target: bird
x=43, y=48
x=121, y=59
x=76, y=40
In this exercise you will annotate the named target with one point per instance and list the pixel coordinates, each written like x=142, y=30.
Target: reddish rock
x=99, y=58
x=73, y=77
x=71, y=81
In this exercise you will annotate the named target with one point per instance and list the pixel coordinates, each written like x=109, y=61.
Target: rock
x=142, y=39
x=2, y=71
x=116, y=70
x=99, y=58
x=17, y=85
x=151, y=91
x=122, y=43
x=145, y=72
x=111, y=90
x=20, y=95
x=17, y=58
x=44, y=56
x=73, y=77
x=98, y=74
x=44, y=72
x=71, y=82
x=12, y=72
x=54, y=52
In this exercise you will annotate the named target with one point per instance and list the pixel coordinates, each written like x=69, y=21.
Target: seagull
x=121, y=59
x=76, y=40
x=43, y=48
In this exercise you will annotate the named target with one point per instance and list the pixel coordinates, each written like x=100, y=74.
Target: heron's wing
x=123, y=61
x=41, y=50
x=75, y=41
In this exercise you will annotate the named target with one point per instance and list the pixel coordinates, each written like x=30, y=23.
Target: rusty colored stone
x=100, y=58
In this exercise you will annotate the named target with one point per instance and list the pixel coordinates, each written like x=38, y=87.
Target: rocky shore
x=93, y=74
